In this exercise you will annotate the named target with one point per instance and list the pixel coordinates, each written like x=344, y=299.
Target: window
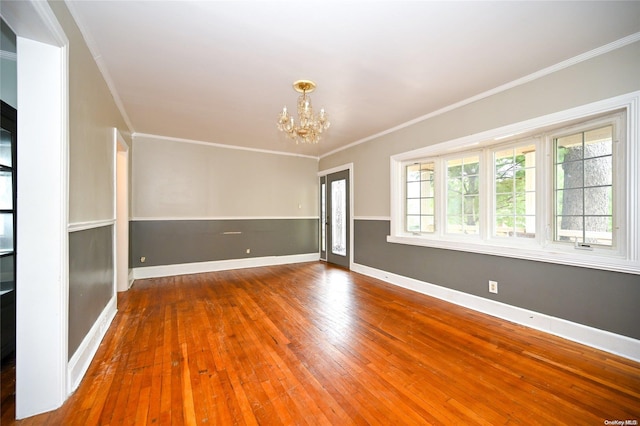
x=420, y=198
x=584, y=187
x=515, y=191
x=463, y=195
x=562, y=188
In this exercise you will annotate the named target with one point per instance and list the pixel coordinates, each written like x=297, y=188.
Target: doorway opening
x=122, y=212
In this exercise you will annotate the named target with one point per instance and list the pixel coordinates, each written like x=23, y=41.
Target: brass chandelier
x=310, y=126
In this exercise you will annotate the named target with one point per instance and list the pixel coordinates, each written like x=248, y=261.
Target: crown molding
x=219, y=145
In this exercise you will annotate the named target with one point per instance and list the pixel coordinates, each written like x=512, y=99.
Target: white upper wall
x=177, y=179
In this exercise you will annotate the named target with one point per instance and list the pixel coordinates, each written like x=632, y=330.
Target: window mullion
x=440, y=196
x=544, y=191
x=486, y=194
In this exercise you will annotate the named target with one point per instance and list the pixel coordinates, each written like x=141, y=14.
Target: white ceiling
x=220, y=71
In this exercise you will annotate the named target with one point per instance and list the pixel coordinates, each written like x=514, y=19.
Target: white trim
x=627, y=260
x=220, y=145
x=91, y=224
x=336, y=169
x=593, y=337
x=503, y=88
x=43, y=185
x=219, y=265
x=165, y=218
x=121, y=212
x=81, y=359
x=382, y=218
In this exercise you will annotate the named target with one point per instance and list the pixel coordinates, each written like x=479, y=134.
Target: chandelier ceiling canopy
x=309, y=126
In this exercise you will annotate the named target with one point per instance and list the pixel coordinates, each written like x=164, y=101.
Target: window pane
x=454, y=224
x=454, y=171
x=427, y=224
x=598, y=201
x=426, y=188
x=338, y=217
x=5, y=148
x=599, y=230
x=6, y=231
x=569, y=148
x=584, y=183
x=470, y=225
x=413, y=190
x=7, y=278
x=569, y=202
x=420, y=193
x=413, y=223
x=472, y=205
x=598, y=142
x=427, y=171
x=503, y=160
x=6, y=190
x=413, y=206
x=454, y=205
x=504, y=226
x=569, y=228
x=505, y=204
x=463, y=203
x=471, y=166
x=598, y=171
x=427, y=206
x=525, y=227
x=515, y=184
x=413, y=173
x=569, y=175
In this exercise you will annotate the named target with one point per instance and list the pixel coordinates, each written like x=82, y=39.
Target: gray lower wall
x=91, y=275
x=600, y=299
x=170, y=242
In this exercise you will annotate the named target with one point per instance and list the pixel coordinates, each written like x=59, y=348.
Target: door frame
x=43, y=199
x=325, y=173
x=122, y=280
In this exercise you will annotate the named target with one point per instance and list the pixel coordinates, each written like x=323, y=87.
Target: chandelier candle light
x=310, y=127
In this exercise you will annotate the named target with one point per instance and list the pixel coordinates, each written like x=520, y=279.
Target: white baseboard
x=220, y=265
x=81, y=359
x=599, y=339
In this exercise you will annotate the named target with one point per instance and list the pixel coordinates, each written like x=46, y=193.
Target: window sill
x=534, y=252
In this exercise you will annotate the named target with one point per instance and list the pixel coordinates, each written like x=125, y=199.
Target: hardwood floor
x=314, y=344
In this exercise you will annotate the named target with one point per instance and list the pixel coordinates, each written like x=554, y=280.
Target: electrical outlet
x=143, y=259
x=248, y=251
x=493, y=287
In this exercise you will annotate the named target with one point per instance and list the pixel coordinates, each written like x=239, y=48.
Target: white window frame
x=539, y=187
x=623, y=257
x=404, y=194
x=618, y=180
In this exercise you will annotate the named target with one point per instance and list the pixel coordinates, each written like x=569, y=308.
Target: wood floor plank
x=314, y=344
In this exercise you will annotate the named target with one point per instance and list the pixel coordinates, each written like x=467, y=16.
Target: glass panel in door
x=338, y=210
x=338, y=218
